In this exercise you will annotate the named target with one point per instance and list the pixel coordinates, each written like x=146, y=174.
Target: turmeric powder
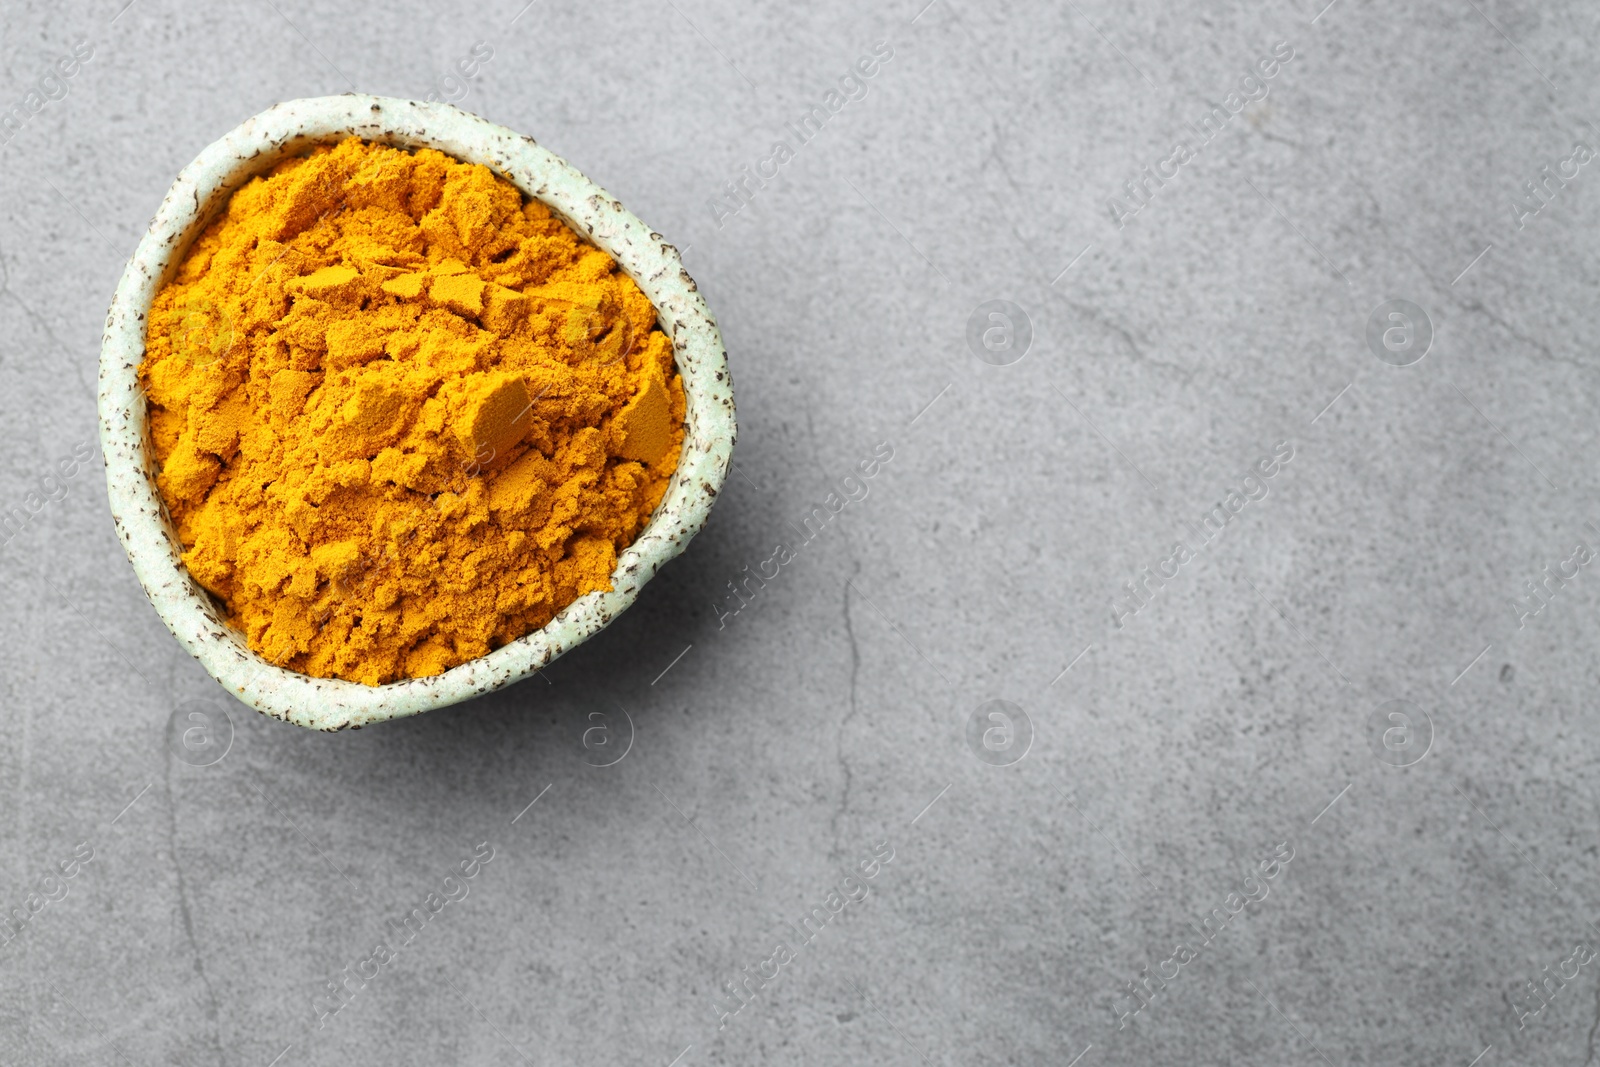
x=402, y=414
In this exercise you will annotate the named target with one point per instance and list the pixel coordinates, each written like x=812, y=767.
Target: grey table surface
x=1378, y=661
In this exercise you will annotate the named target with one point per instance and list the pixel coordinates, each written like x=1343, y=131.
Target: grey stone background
x=1160, y=761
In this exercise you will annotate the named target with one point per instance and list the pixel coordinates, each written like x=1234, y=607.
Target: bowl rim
x=200, y=190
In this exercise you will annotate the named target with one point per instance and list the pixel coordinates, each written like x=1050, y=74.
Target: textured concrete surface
x=1151, y=768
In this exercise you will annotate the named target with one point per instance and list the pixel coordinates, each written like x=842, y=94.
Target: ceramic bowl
x=144, y=526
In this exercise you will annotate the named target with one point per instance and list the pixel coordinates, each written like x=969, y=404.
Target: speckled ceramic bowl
x=142, y=521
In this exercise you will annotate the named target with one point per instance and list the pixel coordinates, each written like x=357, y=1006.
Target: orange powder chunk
x=491, y=415
x=645, y=425
x=406, y=286
x=461, y=293
x=327, y=279
x=402, y=415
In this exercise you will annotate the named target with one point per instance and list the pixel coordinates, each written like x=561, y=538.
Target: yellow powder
x=403, y=415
